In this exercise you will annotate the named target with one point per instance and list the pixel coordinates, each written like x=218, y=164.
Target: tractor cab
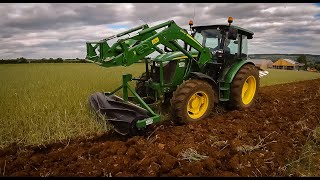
x=226, y=42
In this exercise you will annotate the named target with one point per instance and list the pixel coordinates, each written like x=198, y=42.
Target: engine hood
x=173, y=56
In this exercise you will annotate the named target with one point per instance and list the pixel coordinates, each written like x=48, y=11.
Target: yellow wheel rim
x=197, y=105
x=248, y=89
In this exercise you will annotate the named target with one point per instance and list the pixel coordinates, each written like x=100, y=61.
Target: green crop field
x=42, y=103
x=48, y=102
x=277, y=76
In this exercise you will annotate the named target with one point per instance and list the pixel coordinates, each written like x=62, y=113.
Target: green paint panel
x=230, y=72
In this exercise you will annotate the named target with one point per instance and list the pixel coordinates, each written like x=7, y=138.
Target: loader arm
x=125, y=52
x=125, y=116
x=103, y=48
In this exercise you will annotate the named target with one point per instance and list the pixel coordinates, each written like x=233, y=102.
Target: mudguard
x=204, y=76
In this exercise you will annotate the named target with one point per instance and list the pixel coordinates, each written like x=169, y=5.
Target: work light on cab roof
x=190, y=23
x=230, y=20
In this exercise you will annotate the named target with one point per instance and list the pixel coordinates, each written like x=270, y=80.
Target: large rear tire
x=140, y=85
x=141, y=90
x=192, y=101
x=244, y=87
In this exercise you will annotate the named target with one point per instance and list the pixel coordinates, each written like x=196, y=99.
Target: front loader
x=192, y=73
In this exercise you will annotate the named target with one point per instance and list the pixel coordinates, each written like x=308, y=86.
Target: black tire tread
x=140, y=87
x=237, y=83
x=182, y=94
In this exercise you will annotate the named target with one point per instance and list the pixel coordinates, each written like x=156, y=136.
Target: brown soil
x=259, y=141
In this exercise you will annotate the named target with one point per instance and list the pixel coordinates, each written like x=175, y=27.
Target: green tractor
x=192, y=73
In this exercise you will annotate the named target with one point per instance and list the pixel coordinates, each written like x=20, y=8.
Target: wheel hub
x=248, y=90
x=197, y=105
x=196, y=102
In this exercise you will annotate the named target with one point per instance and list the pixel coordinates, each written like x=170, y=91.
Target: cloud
x=44, y=30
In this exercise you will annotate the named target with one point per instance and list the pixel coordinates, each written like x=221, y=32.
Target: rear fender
x=229, y=73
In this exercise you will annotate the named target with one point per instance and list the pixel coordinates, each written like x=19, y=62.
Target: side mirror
x=232, y=33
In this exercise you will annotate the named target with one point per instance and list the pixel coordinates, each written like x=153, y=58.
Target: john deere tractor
x=192, y=73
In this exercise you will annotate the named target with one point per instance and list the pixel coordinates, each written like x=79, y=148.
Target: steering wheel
x=213, y=50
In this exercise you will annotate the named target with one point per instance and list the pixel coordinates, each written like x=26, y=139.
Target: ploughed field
x=260, y=141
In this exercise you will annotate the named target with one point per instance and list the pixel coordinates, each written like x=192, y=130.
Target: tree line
x=303, y=60
x=23, y=60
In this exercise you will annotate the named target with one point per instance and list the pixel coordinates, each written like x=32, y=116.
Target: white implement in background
x=263, y=73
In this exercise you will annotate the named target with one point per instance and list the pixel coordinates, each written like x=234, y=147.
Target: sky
x=44, y=30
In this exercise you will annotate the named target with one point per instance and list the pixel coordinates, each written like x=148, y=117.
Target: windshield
x=209, y=38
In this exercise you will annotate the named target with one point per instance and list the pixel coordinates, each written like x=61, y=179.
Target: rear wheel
x=244, y=87
x=141, y=89
x=140, y=85
x=193, y=100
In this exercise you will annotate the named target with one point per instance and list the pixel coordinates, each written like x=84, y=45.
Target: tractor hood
x=173, y=56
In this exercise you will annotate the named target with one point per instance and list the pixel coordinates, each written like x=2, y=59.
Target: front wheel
x=244, y=87
x=193, y=100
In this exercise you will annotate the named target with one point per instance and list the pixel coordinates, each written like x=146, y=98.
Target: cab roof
x=243, y=31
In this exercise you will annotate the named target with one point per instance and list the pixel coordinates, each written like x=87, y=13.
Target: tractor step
x=223, y=91
x=224, y=88
x=223, y=99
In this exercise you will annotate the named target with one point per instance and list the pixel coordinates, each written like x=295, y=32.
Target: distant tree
x=22, y=60
x=59, y=60
x=303, y=59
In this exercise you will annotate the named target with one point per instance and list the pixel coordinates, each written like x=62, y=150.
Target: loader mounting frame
x=126, y=88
